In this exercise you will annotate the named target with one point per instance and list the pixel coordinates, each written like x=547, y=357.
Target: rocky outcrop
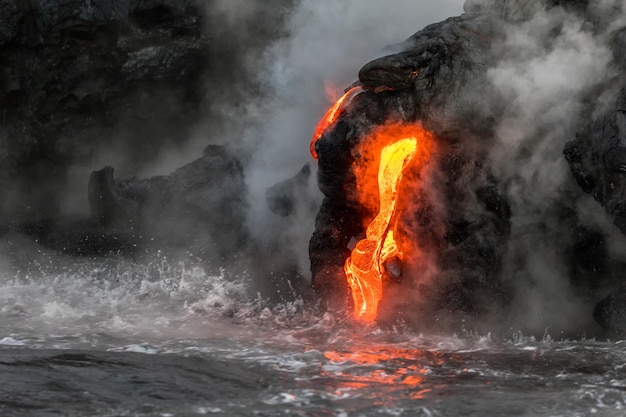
x=121, y=83
x=284, y=197
x=460, y=214
x=129, y=78
x=597, y=158
x=199, y=206
x=456, y=214
x=611, y=311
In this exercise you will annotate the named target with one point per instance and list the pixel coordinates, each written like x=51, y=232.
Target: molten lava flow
x=381, y=159
x=364, y=266
x=332, y=114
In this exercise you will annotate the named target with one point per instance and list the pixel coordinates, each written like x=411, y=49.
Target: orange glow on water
x=366, y=366
x=332, y=115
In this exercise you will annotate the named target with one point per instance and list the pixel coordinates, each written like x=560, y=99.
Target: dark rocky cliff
x=76, y=78
x=108, y=86
x=119, y=82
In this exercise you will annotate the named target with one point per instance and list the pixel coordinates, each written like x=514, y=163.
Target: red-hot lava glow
x=392, y=148
x=332, y=115
x=402, y=145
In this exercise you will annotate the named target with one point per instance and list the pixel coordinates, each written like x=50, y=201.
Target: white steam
x=547, y=67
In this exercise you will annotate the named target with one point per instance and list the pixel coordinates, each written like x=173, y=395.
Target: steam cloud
x=549, y=64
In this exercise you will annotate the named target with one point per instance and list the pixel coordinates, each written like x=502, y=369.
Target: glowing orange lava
x=332, y=114
x=364, y=267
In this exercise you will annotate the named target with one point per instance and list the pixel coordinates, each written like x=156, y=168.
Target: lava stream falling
x=365, y=265
x=332, y=115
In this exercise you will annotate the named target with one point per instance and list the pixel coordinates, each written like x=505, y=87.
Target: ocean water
x=160, y=338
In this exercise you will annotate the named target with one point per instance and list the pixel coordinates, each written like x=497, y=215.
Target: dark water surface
x=163, y=340
x=274, y=373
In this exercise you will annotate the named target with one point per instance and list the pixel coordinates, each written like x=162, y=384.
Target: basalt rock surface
x=284, y=197
x=459, y=215
x=611, y=311
x=597, y=158
x=109, y=82
x=460, y=220
x=130, y=76
x=199, y=207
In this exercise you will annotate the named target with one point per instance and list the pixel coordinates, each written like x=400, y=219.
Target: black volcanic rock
x=433, y=78
x=107, y=205
x=35, y=22
x=597, y=158
x=283, y=197
x=475, y=254
x=460, y=219
x=201, y=204
x=85, y=84
x=119, y=82
x=611, y=311
x=77, y=77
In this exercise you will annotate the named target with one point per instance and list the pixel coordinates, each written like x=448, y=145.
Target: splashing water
x=166, y=338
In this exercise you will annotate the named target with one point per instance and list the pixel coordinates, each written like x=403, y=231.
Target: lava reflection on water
x=375, y=366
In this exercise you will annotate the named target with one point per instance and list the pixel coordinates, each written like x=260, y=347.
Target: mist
x=548, y=66
x=165, y=248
